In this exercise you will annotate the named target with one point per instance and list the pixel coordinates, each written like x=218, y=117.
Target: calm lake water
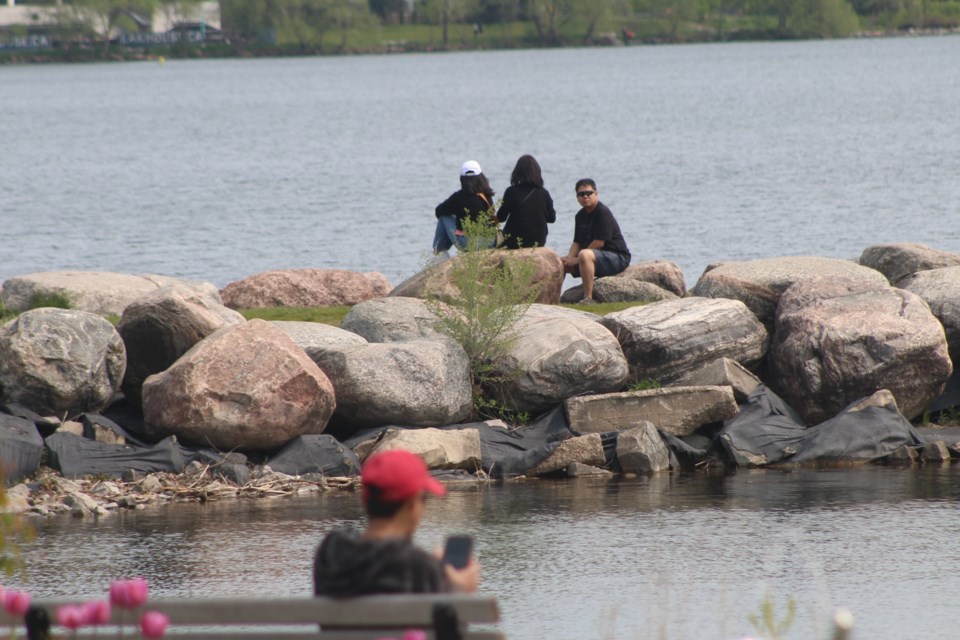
x=217, y=169
x=666, y=557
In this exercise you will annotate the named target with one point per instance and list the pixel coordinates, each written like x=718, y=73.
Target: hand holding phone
x=457, y=551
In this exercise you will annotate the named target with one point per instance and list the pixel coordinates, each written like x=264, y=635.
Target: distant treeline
x=276, y=27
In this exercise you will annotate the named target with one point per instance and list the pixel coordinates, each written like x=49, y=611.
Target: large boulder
x=837, y=341
x=436, y=281
x=897, y=261
x=161, y=326
x=439, y=448
x=760, y=283
x=246, y=387
x=21, y=447
x=304, y=288
x=556, y=359
x=60, y=361
x=420, y=383
x=317, y=337
x=548, y=311
x=666, y=340
x=619, y=289
x=678, y=411
x=98, y=292
x=392, y=320
x=663, y=273
x=940, y=289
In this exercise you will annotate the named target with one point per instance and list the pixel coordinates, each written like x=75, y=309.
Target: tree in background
x=822, y=18
x=389, y=11
x=105, y=16
x=246, y=20
x=548, y=16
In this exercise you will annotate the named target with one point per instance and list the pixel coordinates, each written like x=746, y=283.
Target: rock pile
x=797, y=360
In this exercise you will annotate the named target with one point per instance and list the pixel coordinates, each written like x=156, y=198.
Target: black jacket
x=462, y=204
x=347, y=565
x=527, y=209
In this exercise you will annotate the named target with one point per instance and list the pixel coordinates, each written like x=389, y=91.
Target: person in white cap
x=473, y=200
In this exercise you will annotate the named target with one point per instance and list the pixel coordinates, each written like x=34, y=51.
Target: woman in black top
x=527, y=207
x=473, y=200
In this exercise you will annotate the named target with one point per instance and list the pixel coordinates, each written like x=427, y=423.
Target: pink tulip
x=153, y=624
x=96, y=612
x=70, y=616
x=414, y=634
x=128, y=594
x=16, y=602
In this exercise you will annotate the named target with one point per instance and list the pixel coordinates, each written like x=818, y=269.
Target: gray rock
x=304, y=288
x=759, y=283
x=936, y=452
x=940, y=289
x=439, y=448
x=640, y=449
x=719, y=373
x=248, y=387
x=837, y=341
x=662, y=273
x=436, y=281
x=60, y=361
x=676, y=410
x=587, y=450
x=904, y=456
x=394, y=319
x=619, y=289
x=666, y=340
x=557, y=359
x=579, y=470
x=98, y=292
x=897, y=261
x=550, y=311
x=418, y=383
x=162, y=325
x=316, y=338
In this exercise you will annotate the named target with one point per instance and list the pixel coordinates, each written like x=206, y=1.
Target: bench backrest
x=370, y=617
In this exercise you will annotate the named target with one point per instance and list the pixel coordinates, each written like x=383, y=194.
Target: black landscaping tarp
x=769, y=432
x=74, y=456
x=315, y=454
x=21, y=447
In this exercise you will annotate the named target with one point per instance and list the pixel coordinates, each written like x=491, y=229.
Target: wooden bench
x=440, y=616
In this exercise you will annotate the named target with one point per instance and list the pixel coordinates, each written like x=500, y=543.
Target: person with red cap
x=383, y=558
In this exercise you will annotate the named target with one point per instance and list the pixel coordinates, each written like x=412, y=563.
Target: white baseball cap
x=470, y=168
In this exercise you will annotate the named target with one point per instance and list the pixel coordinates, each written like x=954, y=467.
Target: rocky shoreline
x=769, y=363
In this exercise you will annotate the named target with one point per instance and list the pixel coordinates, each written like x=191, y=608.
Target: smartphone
x=457, y=551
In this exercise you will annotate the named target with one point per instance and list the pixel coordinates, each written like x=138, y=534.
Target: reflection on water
x=686, y=556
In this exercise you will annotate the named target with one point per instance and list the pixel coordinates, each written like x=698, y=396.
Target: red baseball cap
x=398, y=475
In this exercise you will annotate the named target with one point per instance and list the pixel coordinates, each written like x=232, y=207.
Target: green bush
x=493, y=289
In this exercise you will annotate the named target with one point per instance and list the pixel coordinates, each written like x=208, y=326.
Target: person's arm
x=504, y=212
x=571, y=257
x=551, y=213
x=448, y=207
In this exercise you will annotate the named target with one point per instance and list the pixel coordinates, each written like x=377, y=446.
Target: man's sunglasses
x=584, y=194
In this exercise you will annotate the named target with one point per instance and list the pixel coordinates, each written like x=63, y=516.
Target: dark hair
x=377, y=507
x=583, y=182
x=477, y=184
x=527, y=171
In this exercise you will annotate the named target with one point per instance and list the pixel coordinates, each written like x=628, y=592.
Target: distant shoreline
x=231, y=51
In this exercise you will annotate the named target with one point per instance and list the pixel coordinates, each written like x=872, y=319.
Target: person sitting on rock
x=383, y=558
x=527, y=207
x=598, y=247
x=473, y=201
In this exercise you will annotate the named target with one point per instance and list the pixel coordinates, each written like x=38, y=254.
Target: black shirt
x=348, y=565
x=599, y=225
x=462, y=204
x=527, y=209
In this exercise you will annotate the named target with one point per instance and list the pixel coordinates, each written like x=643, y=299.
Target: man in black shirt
x=383, y=559
x=598, y=247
